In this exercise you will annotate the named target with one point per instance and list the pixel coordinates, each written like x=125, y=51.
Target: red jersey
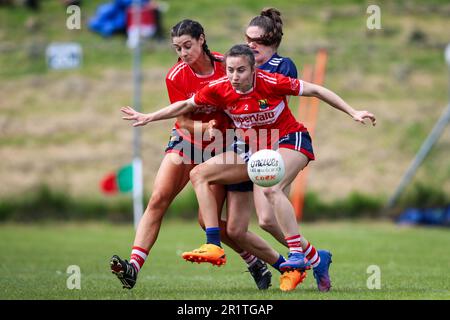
x=264, y=106
x=182, y=83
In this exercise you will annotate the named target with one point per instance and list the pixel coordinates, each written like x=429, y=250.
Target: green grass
x=414, y=263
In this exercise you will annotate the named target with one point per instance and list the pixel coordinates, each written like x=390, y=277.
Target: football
x=266, y=168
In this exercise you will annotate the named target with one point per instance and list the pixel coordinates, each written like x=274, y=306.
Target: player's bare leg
x=226, y=168
x=202, y=177
x=237, y=202
x=238, y=220
x=266, y=216
x=294, y=162
x=212, y=251
x=171, y=178
x=257, y=251
x=216, y=170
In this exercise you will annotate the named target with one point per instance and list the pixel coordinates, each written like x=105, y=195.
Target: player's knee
x=236, y=233
x=272, y=193
x=196, y=176
x=158, y=201
x=267, y=223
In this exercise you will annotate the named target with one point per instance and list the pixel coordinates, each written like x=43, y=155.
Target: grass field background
x=414, y=263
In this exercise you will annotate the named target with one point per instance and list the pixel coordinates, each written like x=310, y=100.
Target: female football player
x=263, y=35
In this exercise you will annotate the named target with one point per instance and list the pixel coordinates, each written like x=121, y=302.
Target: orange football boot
x=289, y=280
x=206, y=253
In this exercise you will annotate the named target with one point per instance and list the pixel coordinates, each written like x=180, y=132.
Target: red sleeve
x=286, y=86
x=175, y=94
x=207, y=96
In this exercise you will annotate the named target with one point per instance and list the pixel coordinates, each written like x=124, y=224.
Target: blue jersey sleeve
x=288, y=68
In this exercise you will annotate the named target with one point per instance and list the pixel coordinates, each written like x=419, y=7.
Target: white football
x=265, y=168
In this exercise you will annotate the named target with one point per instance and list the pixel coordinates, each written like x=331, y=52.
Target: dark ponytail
x=195, y=30
x=270, y=21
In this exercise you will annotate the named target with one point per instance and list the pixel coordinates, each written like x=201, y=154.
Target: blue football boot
x=321, y=271
x=295, y=261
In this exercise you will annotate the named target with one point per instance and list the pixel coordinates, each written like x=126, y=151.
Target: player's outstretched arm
x=185, y=122
x=171, y=111
x=328, y=96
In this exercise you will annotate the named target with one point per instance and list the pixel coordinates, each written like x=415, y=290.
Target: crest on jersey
x=263, y=104
x=295, y=84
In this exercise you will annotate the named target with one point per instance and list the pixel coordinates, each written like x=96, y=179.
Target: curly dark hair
x=270, y=21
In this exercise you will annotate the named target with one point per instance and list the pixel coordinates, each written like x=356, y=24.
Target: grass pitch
x=414, y=263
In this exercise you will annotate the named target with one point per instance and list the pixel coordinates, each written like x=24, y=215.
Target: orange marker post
x=307, y=113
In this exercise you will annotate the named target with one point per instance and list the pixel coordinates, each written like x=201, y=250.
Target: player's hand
x=140, y=119
x=212, y=124
x=360, y=116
